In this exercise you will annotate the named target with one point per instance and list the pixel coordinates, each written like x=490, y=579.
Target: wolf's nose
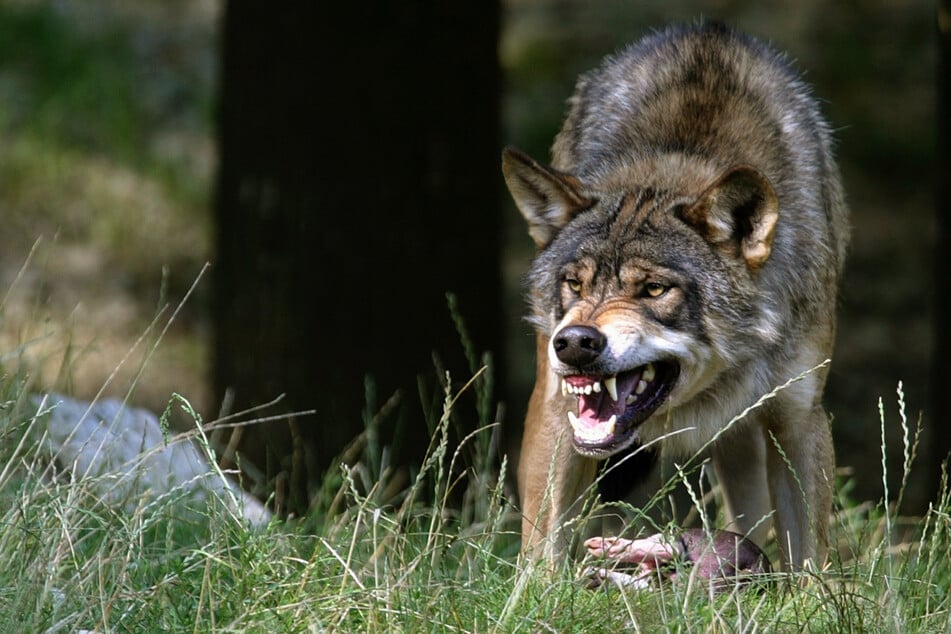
x=579, y=345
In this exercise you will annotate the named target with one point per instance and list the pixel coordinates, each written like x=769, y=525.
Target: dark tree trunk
x=358, y=185
x=942, y=350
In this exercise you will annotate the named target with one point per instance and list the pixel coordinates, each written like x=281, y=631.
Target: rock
x=125, y=457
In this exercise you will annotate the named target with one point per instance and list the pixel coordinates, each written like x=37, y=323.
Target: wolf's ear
x=547, y=198
x=738, y=213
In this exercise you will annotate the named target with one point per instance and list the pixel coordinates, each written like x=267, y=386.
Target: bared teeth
x=649, y=373
x=579, y=390
x=609, y=385
x=573, y=419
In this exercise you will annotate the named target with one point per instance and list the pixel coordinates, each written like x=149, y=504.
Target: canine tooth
x=641, y=386
x=630, y=399
x=564, y=387
x=649, y=373
x=573, y=419
x=612, y=423
x=610, y=384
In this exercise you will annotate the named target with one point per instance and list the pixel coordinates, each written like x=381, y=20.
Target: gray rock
x=126, y=458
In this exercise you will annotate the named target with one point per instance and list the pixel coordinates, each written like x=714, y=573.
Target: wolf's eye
x=573, y=284
x=655, y=289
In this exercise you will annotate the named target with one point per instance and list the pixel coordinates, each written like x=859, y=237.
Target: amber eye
x=573, y=284
x=654, y=289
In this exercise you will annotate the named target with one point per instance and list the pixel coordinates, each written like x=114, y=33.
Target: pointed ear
x=738, y=214
x=547, y=198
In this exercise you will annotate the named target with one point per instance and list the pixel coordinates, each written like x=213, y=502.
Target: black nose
x=579, y=345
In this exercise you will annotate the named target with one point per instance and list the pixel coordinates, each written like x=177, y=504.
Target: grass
x=382, y=558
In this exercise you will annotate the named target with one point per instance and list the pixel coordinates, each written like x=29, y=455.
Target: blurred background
x=339, y=169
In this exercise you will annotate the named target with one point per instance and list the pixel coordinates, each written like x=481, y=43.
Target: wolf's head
x=642, y=287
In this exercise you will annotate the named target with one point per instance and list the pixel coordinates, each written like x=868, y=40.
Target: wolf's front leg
x=553, y=479
x=739, y=461
x=800, y=470
x=552, y=476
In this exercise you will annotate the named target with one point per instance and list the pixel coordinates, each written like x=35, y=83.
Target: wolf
x=691, y=231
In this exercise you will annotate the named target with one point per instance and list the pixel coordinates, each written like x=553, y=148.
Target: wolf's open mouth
x=611, y=407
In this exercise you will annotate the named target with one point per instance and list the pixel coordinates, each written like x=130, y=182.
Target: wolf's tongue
x=595, y=408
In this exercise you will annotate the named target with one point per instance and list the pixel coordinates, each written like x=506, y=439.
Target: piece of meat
x=724, y=558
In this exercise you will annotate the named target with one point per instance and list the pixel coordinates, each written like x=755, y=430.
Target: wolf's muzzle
x=613, y=400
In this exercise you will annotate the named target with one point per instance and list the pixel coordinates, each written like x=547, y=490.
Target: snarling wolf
x=691, y=231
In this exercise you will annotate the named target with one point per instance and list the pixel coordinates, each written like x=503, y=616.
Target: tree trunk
x=358, y=185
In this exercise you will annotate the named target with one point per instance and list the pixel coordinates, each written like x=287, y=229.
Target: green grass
x=411, y=559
